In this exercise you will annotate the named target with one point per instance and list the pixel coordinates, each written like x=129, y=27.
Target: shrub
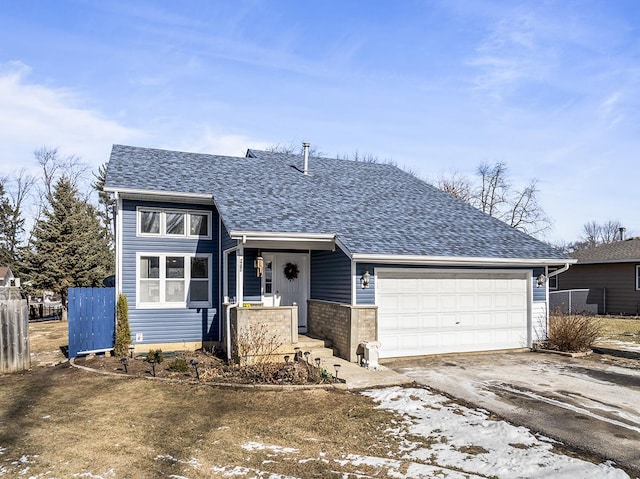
x=254, y=345
x=179, y=365
x=155, y=355
x=123, y=331
x=573, y=332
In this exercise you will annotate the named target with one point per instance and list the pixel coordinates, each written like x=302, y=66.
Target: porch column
x=240, y=275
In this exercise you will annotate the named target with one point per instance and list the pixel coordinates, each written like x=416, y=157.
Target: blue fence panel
x=92, y=318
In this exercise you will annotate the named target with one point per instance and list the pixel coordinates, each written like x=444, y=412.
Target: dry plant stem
x=255, y=345
x=573, y=332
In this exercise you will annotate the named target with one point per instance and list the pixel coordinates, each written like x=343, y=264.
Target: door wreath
x=291, y=271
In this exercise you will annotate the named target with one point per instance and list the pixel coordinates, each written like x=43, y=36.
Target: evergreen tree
x=69, y=247
x=107, y=202
x=6, y=213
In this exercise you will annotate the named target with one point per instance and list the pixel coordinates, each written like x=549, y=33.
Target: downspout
x=228, y=307
x=558, y=271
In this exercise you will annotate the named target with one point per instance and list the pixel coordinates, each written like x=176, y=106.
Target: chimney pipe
x=305, y=148
x=622, y=231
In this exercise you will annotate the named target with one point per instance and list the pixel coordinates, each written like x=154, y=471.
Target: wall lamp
x=365, y=279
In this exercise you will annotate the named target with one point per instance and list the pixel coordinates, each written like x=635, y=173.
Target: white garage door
x=431, y=312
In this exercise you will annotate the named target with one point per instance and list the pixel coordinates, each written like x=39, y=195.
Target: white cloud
x=35, y=115
x=214, y=142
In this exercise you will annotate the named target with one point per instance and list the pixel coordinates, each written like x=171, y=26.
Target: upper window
x=174, y=223
x=638, y=277
x=553, y=282
x=174, y=280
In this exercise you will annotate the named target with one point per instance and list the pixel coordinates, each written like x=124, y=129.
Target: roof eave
x=609, y=261
x=271, y=239
x=151, y=194
x=459, y=260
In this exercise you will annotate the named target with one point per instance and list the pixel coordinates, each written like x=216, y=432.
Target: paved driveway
x=589, y=405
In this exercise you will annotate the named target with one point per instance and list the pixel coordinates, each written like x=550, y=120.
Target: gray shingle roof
x=620, y=251
x=373, y=208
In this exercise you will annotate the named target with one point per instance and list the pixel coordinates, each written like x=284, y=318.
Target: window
x=638, y=277
x=553, y=282
x=174, y=223
x=150, y=222
x=174, y=280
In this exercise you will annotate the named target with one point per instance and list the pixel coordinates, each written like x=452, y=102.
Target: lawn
x=59, y=421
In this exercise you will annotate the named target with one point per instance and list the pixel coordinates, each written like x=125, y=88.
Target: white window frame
x=163, y=222
x=554, y=280
x=638, y=277
x=186, y=303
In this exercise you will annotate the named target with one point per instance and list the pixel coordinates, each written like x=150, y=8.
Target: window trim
x=163, y=222
x=187, y=303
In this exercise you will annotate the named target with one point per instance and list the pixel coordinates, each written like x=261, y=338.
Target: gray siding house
x=347, y=251
x=611, y=273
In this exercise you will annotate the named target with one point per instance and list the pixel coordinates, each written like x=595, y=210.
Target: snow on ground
x=440, y=439
x=624, y=345
x=469, y=440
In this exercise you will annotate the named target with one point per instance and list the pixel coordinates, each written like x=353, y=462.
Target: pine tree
x=69, y=247
x=6, y=253
x=107, y=202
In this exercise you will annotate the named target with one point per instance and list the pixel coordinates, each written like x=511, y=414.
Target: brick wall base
x=345, y=325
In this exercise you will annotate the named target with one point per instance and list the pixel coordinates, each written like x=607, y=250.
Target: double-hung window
x=172, y=223
x=174, y=280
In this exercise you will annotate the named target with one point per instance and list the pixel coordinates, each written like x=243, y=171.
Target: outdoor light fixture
x=286, y=358
x=153, y=367
x=131, y=349
x=298, y=354
x=364, y=279
x=194, y=363
x=540, y=280
x=317, y=362
x=337, y=368
x=306, y=356
x=124, y=364
x=258, y=264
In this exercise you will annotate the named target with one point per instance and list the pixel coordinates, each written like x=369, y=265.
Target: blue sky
x=550, y=88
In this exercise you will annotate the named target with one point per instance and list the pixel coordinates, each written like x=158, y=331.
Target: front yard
x=58, y=421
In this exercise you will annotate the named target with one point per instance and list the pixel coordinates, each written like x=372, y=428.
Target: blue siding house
x=344, y=250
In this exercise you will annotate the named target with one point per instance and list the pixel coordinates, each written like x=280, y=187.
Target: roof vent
x=622, y=231
x=305, y=149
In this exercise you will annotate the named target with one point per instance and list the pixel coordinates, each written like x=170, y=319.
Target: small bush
x=179, y=365
x=155, y=355
x=123, y=331
x=573, y=332
x=255, y=345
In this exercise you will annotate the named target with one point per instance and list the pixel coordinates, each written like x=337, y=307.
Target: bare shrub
x=255, y=345
x=573, y=332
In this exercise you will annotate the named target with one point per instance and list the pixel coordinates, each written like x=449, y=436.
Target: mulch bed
x=210, y=368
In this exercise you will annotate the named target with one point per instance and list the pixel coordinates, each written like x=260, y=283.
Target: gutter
x=561, y=270
x=460, y=261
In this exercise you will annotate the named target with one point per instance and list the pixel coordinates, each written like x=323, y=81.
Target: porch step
x=319, y=348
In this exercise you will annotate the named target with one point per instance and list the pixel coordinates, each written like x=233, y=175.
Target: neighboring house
x=6, y=277
x=611, y=273
x=349, y=251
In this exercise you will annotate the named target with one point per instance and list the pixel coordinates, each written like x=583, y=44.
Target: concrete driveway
x=588, y=405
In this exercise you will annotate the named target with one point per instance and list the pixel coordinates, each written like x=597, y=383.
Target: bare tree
x=493, y=188
x=54, y=166
x=456, y=185
x=493, y=194
x=17, y=188
x=293, y=149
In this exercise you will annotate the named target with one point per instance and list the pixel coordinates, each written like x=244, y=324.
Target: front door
x=285, y=282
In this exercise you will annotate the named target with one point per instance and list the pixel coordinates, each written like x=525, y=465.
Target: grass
x=61, y=421
x=621, y=329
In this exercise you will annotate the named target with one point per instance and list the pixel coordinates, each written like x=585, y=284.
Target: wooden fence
x=14, y=336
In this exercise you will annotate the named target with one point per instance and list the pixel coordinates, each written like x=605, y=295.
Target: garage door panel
x=439, y=312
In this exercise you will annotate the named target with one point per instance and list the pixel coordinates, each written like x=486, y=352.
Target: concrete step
x=306, y=343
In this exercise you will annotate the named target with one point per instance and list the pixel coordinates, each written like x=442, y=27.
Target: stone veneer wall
x=345, y=325
x=281, y=322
